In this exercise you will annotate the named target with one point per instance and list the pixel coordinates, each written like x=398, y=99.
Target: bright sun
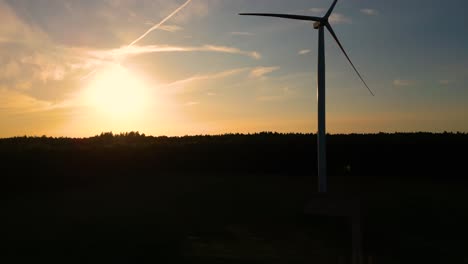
x=118, y=93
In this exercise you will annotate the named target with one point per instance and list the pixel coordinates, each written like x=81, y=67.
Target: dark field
x=231, y=199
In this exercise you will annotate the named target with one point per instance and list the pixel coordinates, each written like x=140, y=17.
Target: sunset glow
x=77, y=68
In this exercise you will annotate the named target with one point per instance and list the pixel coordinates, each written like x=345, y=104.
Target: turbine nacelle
x=318, y=24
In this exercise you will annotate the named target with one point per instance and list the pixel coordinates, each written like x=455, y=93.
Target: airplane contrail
x=160, y=23
x=144, y=35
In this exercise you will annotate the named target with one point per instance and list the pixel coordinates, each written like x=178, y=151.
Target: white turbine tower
x=320, y=24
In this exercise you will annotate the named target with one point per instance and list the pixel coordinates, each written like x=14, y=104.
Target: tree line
x=47, y=161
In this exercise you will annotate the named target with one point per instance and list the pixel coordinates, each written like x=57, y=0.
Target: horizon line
x=137, y=133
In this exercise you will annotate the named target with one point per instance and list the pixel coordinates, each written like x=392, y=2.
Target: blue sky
x=66, y=68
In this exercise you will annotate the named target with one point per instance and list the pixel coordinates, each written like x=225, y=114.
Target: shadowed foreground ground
x=122, y=212
x=229, y=219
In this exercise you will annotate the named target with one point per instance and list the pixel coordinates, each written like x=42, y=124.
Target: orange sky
x=78, y=68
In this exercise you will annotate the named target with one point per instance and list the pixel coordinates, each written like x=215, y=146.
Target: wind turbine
x=320, y=23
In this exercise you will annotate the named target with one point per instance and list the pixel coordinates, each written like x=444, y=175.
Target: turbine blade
x=331, y=9
x=297, y=17
x=330, y=29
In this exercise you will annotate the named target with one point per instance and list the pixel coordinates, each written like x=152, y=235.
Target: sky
x=77, y=68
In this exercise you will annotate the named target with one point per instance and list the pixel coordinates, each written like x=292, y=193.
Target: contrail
x=144, y=35
x=160, y=23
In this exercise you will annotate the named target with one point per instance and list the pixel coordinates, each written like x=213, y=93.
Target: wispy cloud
x=45, y=68
x=370, y=12
x=14, y=102
x=317, y=11
x=37, y=69
x=402, y=83
x=182, y=85
x=15, y=30
x=338, y=18
x=260, y=72
x=232, y=50
x=241, y=34
x=303, y=52
x=160, y=23
x=171, y=28
x=123, y=52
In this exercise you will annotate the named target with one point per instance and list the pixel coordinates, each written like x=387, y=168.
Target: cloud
x=304, y=51
x=232, y=50
x=30, y=58
x=182, y=85
x=260, y=72
x=14, y=30
x=120, y=53
x=13, y=102
x=46, y=65
x=46, y=68
x=316, y=10
x=171, y=28
x=402, y=83
x=370, y=12
x=48, y=73
x=22, y=114
x=338, y=18
x=241, y=34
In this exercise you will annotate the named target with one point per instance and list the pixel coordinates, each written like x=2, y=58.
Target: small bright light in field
x=117, y=93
